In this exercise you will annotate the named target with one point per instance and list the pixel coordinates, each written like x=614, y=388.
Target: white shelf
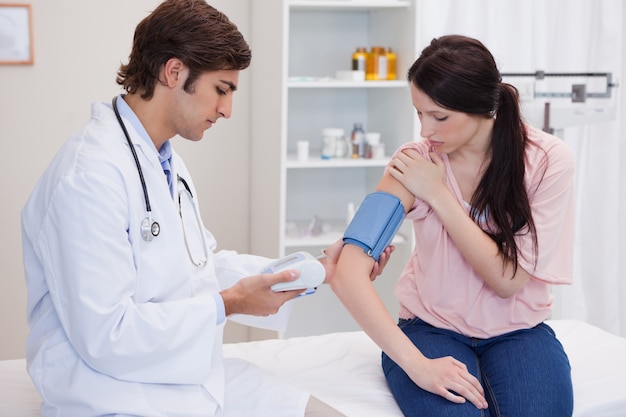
x=346, y=4
x=315, y=161
x=300, y=57
x=295, y=95
x=315, y=82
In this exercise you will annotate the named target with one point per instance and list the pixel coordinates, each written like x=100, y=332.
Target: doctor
x=126, y=295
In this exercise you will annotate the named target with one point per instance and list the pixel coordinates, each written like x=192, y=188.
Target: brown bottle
x=391, y=64
x=376, y=64
x=358, y=59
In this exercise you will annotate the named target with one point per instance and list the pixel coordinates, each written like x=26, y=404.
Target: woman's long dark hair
x=460, y=74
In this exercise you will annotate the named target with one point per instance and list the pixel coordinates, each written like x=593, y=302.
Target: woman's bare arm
x=352, y=285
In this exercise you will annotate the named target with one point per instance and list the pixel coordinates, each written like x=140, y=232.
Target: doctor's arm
x=252, y=295
x=352, y=285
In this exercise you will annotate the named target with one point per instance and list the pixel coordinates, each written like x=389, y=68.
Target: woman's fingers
x=456, y=384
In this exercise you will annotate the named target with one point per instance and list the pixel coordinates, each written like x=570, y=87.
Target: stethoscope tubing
x=154, y=228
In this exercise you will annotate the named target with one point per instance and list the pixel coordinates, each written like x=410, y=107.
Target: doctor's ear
x=174, y=72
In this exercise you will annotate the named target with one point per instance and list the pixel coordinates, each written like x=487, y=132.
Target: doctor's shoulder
x=94, y=150
x=72, y=163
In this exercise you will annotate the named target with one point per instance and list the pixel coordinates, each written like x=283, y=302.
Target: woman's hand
x=332, y=255
x=450, y=379
x=423, y=178
x=379, y=266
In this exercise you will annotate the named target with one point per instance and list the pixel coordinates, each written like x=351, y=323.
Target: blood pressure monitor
x=312, y=272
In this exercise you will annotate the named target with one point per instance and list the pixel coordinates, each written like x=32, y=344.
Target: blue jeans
x=524, y=373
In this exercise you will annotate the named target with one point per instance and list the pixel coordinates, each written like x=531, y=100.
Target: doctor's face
x=210, y=98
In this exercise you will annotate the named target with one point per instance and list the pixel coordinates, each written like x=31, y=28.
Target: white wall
x=78, y=48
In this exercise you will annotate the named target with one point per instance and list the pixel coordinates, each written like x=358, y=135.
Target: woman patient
x=491, y=200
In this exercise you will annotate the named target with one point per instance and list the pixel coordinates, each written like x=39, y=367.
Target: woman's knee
x=415, y=401
x=528, y=373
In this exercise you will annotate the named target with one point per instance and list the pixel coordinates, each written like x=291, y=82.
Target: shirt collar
x=165, y=153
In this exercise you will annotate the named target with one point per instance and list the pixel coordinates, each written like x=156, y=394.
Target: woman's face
x=447, y=130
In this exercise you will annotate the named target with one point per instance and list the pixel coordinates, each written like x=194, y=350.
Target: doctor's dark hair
x=460, y=74
x=202, y=37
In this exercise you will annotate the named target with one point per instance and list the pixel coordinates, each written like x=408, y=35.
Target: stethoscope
x=150, y=228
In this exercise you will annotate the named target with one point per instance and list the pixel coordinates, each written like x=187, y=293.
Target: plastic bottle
x=391, y=64
x=332, y=140
x=358, y=141
x=350, y=213
x=358, y=59
x=370, y=65
x=381, y=68
x=376, y=64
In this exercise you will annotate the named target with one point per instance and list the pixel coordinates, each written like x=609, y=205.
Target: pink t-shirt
x=439, y=286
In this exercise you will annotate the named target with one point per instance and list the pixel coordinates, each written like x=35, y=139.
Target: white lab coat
x=118, y=325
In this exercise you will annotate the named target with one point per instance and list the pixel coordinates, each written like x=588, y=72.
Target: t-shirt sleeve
x=550, y=185
x=420, y=207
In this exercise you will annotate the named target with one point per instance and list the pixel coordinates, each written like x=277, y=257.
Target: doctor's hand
x=253, y=295
x=332, y=256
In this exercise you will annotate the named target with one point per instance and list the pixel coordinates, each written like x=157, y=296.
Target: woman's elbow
x=338, y=284
x=507, y=287
x=505, y=292
x=352, y=268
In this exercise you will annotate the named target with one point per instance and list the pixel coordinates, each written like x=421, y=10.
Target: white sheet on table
x=343, y=369
x=18, y=397
x=598, y=360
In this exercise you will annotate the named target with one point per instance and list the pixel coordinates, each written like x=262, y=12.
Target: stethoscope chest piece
x=149, y=229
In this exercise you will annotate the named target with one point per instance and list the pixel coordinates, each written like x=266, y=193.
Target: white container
x=302, y=150
x=333, y=143
x=350, y=213
x=372, y=138
x=350, y=75
x=378, y=151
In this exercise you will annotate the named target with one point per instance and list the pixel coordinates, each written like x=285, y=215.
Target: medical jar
x=358, y=59
x=333, y=144
x=376, y=64
x=358, y=141
x=391, y=64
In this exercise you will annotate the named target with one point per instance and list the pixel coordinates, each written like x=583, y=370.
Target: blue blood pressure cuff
x=375, y=223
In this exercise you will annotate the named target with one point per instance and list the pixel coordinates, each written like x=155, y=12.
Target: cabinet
x=297, y=48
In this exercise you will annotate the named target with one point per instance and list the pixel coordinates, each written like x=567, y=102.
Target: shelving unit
x=295, y=96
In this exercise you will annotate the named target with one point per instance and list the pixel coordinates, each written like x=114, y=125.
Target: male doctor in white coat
x=126, y=304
